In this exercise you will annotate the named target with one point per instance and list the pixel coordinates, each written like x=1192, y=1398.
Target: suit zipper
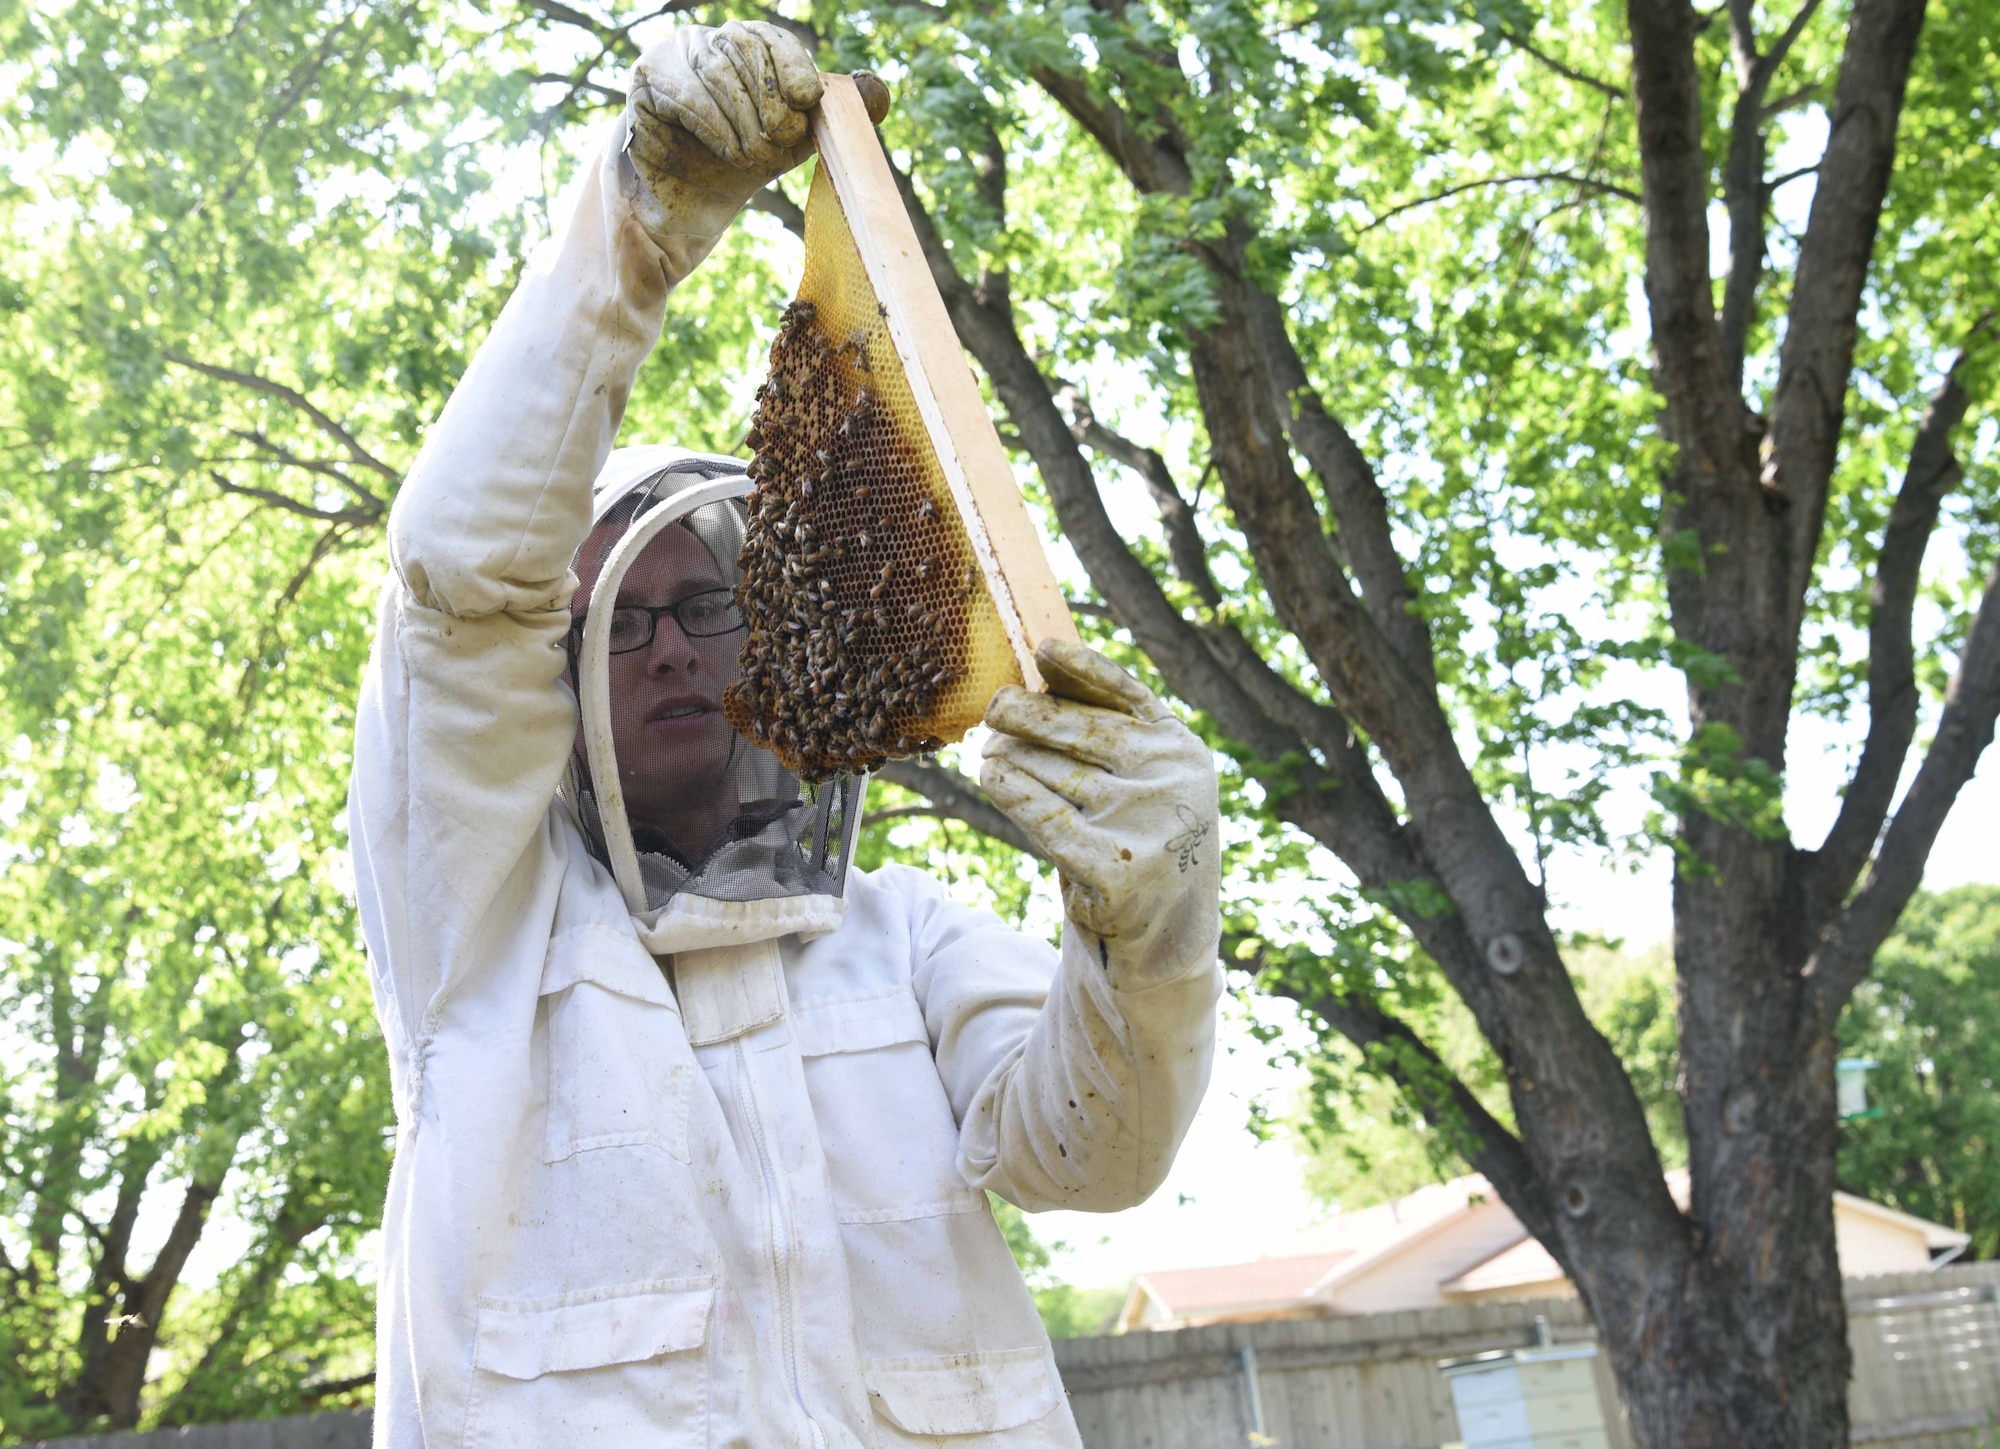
x=780, y=1241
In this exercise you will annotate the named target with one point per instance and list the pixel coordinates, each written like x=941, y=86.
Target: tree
x=1930, y=1018
x=183, y=608
x=1359, y=700
x=1316, y=327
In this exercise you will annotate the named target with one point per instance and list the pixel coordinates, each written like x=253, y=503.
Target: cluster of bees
x=854, y=586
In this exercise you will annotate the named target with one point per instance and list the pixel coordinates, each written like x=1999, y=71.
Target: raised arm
x=464, y=726
x=1079, y=1097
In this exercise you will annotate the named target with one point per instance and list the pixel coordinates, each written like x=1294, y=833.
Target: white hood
x=783, y=869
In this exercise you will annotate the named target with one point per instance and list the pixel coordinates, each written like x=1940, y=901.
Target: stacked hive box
x=1534, y=1398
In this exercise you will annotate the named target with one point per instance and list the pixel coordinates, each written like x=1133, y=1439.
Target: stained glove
x=1122, y=797
x=713, y=116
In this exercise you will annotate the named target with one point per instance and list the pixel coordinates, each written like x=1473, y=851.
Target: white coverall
x=744, y=1204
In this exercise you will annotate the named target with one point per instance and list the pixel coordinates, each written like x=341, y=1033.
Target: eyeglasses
x=701, y=616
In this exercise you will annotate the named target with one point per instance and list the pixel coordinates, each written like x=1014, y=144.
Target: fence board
x=1926, y=1369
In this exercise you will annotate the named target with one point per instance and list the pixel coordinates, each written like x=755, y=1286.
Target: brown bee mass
x=855, y=586
x=874, y=632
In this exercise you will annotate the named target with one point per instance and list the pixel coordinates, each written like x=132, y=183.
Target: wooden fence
x=1926, y=1372
x=1926, y=1376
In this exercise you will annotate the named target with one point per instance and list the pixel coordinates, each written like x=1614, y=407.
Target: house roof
x=1936, y=1235
x=1376, y=1236
x=1418, y=1215
x=1526, y=1262
x=1236, y=1287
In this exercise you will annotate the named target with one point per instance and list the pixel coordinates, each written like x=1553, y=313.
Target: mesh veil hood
x=781, y=866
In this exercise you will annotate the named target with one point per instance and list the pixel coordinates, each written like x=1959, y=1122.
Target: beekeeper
x=694, y=1124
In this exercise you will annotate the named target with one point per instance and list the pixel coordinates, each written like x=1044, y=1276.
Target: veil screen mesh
x=872, y=634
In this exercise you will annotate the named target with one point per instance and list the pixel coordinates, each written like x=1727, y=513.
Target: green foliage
x=214, y=214
x=1362, y=1141
x=1931, y=1016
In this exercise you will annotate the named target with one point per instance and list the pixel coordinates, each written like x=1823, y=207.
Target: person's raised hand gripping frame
x=714, y=114
x=1120, y=795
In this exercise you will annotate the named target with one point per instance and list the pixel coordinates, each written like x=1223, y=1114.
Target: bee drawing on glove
x=1186, y=846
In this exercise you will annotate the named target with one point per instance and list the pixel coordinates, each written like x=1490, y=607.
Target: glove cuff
x=684, y=221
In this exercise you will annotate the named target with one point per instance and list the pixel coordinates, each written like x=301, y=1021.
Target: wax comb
x=892, y=579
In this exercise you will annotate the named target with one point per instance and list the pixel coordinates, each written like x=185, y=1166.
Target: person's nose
x=671, y=648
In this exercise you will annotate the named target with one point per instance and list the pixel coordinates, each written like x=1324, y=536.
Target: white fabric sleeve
x=464, y=724
x=1073, y=1084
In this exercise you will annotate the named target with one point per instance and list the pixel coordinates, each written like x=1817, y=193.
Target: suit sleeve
x=1073, y=1079
x=464, y=724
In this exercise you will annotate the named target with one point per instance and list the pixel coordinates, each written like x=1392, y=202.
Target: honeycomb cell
x=872, y=634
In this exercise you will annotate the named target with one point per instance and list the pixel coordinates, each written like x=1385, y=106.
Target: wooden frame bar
x=1010, y=554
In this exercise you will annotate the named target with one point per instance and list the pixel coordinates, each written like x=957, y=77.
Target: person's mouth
x=673, y=711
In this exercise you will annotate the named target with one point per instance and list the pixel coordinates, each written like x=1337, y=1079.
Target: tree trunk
x=1749, y=1346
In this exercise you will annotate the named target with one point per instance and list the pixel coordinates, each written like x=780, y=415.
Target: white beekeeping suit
x=680, y=1166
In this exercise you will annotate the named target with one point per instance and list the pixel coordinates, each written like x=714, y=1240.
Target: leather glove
x=1122, y=797
x=712, y=117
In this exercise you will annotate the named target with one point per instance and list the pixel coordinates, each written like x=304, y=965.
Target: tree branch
x=1790, y=101
x=1746, y=195
x=1320, y=778
x=1775, y=57
x=367, y=498
x=1589, y=183
x=1703, y=406
x=151, y=1292
x=1154, y=164
x=289, y=1228
x=581, y=83
x=294, y=90
x=1604, y=87
x=1497, y=1154
x=1809, y=404
x=299, y=402
x=568, y=15
x=1366, y=545
x=324, y=545
x=1185, y=549
x=124, y=1358
x=985, y=325
x=314, y=1393
x=1497, y=952
x=1932, y=473
x=292, y=505
x=772, y=201
x=1847, y=948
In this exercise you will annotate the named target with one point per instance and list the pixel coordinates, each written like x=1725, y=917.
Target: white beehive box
x=1530, y=1398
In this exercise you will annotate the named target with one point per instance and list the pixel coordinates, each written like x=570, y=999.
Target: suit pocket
x=907, y=1213
x=622, y=1365
x=621, y=1071
x=962, y=1394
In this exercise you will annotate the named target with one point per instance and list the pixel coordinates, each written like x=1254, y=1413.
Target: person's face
x=674, y=745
